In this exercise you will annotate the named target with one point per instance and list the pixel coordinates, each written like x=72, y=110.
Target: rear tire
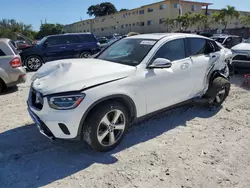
x=218, y=91
x=106, y=126
x=33, y=62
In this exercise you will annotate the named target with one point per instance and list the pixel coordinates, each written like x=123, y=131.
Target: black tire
x=218, y=91
x=33, y=62
x=2, y=85
x=93, y=128
x=85, y=55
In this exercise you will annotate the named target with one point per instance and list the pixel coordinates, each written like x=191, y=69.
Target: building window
x=141, y=12
x=133, y=24
x=94, y=30
x=150, y=9
x=129, y=25
x=129, y=13
x=122, y=26
x=194, y=8
x=163, y=6
x=87, y=22
x=102, y=29
x=141, y=23
x=161, y=21
x=126, y=25
x=176, y=5
x=150, y=22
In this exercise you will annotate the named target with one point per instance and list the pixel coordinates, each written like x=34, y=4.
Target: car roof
x=159, y=36
x=65, y=34
x=4, y=40
x=224, y=35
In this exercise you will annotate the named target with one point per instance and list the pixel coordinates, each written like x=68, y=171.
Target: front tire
x=106, y=126
x=218, y=91
x=33, y=62
x=85, y=55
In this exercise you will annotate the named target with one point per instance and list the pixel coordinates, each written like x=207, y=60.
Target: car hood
x=77, y=74
x=242, y=47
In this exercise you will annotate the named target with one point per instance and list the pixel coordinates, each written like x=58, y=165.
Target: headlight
x=65, y=102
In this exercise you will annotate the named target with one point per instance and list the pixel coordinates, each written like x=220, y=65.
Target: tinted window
x=2, y=53
x=212, y=47
x=173, y=50
x=72, y=39
x=220, y=40
x=56, y=40
x=196, y=46
x=87, y=38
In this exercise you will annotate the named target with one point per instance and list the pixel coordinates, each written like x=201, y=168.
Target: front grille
x=242, y=58
x=36, y=99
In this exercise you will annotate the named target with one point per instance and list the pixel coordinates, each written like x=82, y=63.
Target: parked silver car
x=11, y=70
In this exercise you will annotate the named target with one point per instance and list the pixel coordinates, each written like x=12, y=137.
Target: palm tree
x=227, y=14
x=169, y=23
x=200, y=20
x=245, y=20
x=184, y=21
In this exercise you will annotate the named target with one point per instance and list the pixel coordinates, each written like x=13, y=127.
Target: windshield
x=127, y=51
x=218, y=39
x=42, y=41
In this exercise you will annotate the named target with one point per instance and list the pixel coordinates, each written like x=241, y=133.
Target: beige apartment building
x=146, y=19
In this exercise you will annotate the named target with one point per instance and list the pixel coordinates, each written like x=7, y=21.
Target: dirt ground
x=189, y=147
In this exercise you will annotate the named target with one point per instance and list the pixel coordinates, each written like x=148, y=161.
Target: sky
x=69, y=11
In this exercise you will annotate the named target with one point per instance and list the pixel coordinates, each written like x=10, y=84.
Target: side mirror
x=160, y=63
x=46, y=44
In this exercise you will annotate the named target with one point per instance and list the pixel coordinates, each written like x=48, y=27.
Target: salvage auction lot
x=185, y=147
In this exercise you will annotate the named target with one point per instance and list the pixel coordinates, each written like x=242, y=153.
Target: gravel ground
x=187, y=147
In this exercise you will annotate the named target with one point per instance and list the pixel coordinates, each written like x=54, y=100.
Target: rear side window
x=2, y=53
x=87, y=38
x=72, y=39
x=212, y=47
x=196, y=46
x=13, y=48
x=56, y=40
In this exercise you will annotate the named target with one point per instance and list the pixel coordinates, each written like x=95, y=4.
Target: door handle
x=213, y=56
x=62, y=47
x=79, y=46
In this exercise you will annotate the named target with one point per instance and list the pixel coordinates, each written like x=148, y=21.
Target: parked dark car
x=228, y=41
x=55, y=47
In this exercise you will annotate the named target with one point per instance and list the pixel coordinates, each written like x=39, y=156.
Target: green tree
x=9, y=27
x=245, y=20
x=228, y=14
x=200, y=20
x=102, y=9
x=49, y=29
x=185, y=21
x=169, y=24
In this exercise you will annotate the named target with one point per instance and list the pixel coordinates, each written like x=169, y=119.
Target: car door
x=168, y=86
x=55, y=48
x=73, y=46
x=203, y=58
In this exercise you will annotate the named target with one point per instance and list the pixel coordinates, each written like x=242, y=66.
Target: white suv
x=96, y=99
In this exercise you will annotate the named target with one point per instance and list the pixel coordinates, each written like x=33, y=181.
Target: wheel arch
x=124, y=99
x=216, y=74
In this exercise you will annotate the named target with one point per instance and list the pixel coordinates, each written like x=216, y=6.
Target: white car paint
x=149, y=89
x=242, y=47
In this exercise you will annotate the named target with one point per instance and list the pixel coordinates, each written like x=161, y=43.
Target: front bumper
x=241, y=61
x=41, y=125
x=63, y=124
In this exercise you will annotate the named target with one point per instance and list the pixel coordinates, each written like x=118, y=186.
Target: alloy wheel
x=85, y=55
x=34, y=63
x=111, y=128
